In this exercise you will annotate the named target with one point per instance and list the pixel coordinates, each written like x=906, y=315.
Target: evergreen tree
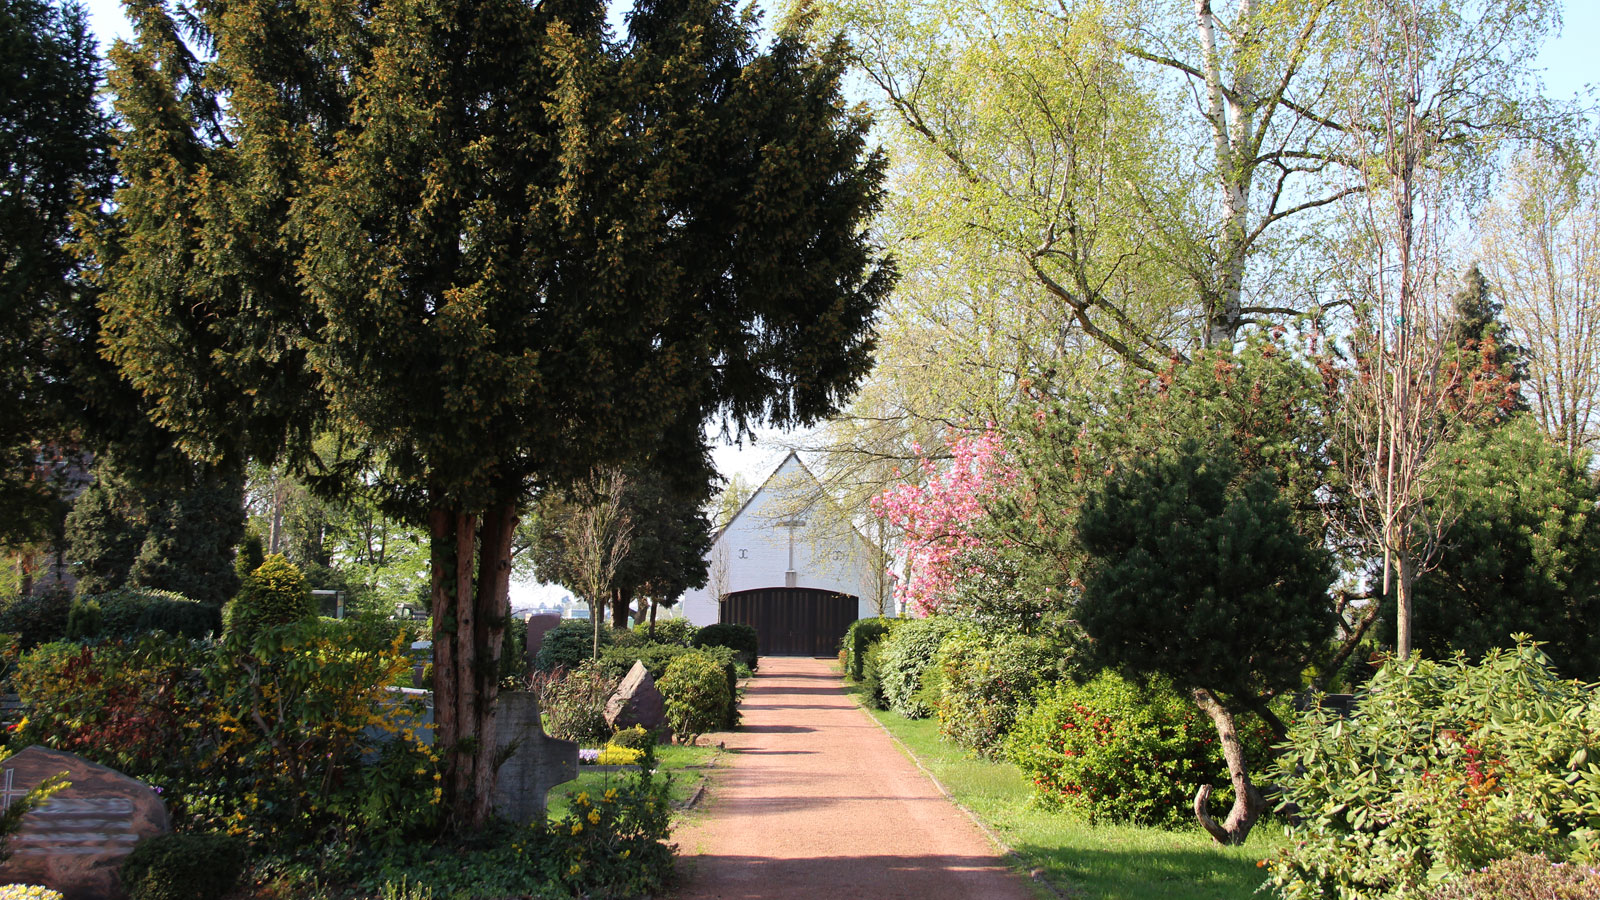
x=105, y=529
x=494, y=245
x=54, y=152
x=174, y=530
x=1523, y=556
x=1199, y=574
x=1483, y=344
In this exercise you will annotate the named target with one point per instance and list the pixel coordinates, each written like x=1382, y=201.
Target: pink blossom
x=936, y=517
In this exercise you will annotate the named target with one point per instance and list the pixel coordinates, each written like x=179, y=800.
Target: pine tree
x=494, y=245
x=1199, y=573
x=1523, y=555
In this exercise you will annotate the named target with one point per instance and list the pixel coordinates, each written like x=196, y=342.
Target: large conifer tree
x=493, y=243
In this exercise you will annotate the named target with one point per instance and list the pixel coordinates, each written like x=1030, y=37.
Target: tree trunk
x=1405, y=579
x=1247, y=801
x=621, y=599
x=652, y=618
x=469, y=621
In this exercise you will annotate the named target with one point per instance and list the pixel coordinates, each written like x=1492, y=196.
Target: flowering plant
x=936, y=517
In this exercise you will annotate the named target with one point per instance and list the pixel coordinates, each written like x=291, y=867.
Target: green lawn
x=672, y=760
x=1088, y=861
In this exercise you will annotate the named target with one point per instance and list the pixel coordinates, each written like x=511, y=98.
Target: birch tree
x=1436, y=91
x=1540, y=241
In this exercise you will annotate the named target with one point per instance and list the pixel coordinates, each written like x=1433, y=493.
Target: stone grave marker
x=638, y=701
x=534, y=761
x=538, y=762
x=75, y=842
x=539, y=625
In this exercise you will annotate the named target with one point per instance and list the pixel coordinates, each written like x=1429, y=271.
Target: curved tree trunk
x=1247, y=801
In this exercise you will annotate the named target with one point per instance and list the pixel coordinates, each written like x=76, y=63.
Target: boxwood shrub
x=276, y=593
x=695, y=686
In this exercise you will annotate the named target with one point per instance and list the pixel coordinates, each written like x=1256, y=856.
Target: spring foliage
x=1443, y=768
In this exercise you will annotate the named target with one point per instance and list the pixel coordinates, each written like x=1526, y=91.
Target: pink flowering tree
x=937, y=518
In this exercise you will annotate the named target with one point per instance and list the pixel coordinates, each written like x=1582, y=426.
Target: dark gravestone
x=538, y=626
x=637, y=701
x=75, y=842
x=534, y=761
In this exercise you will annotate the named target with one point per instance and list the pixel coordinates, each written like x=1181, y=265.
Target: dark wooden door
x=793, y=621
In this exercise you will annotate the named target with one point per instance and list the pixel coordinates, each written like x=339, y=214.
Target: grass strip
x=1080, y=860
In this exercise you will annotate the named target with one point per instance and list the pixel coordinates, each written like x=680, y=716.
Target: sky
x=1569, y=62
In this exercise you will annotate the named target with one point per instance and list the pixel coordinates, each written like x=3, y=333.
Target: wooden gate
x=793, y=621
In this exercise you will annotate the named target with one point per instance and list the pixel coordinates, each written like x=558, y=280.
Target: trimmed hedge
x=676, y=630
x=36, y=618
x=570, y=644
x=695, y=686
x=859, y=638
x=739, y=638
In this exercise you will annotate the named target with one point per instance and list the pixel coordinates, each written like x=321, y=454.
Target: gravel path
x=813, y=800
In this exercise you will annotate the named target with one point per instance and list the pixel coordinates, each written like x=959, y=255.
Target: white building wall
x=753, y=551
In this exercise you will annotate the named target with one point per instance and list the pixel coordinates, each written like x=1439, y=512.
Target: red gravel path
x=813, y=800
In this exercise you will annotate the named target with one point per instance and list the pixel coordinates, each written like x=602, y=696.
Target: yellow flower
x=594, y=817
x=611, y=794
x=577, y=828
x=625, y=853
x=582, y=799
x=575, y=869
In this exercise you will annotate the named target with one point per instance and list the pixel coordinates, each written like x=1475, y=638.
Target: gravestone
x=537, y=762
x=75, y=842
x=637, y=701
x=538, y=626
x=534, y=761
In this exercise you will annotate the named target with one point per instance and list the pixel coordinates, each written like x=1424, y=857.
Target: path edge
x=1036, y=876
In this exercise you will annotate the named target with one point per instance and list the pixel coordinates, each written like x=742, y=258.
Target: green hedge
x=986, y=680
x=676, y=630
x=695, y=686
x=860, y=637
x=36, y=618
x=570, y=644
x=183, y=867
x=907, y=653
x=741, y=639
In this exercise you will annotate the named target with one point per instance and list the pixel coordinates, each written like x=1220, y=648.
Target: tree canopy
x=54, y=154
x=493, y=244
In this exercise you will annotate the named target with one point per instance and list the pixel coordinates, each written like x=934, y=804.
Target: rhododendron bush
x=937, y=517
